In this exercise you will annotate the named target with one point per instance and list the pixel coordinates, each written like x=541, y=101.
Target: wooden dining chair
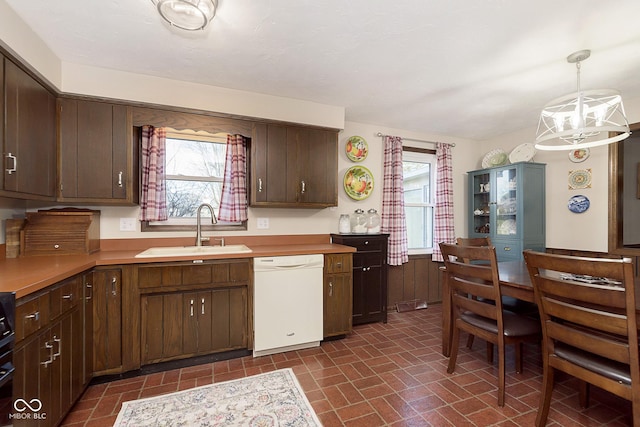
x=508, y=303
x=477, y=306
x=589, y=326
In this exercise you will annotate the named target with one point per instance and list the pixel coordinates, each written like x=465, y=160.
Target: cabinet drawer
x=367, y=260
x=337, y=263
x=65, y=296
x=508, y=250
x=31, y=315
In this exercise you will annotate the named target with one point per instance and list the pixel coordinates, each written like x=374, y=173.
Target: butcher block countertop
x=25, y=275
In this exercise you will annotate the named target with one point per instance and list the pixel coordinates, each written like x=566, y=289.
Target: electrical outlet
x=127, y=224
x=263, y=223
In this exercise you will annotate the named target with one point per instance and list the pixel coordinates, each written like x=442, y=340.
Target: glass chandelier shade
x=583, y=119
x=187, y=14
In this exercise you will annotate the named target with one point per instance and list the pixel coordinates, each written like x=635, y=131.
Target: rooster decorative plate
x=358, y=182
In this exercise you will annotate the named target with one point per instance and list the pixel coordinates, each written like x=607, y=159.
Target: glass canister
x=344, y=226
x=358, y=222
x=373, y=221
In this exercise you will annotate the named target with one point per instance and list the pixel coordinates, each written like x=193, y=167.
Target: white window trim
x=420, y=157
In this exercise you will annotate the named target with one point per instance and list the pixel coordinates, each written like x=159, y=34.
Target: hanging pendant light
x=582, y=119
x=187, y=14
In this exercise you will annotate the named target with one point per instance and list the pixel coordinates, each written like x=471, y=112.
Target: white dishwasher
x=287, y=313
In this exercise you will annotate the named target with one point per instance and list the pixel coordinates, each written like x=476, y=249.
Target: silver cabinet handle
x=48, y=346
x=191, y=307
x=15, y=163
x=34, y=316
x=57, y=340
x=113, y=286
x=330, y=289
x=290, y=334
x=259, y=185
x=202, y=306
x=89, y=296
x=304, y=187
x=68, y=297
x=507, y=248
x=120, y=179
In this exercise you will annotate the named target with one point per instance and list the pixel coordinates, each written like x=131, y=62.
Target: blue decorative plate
x=579, y=204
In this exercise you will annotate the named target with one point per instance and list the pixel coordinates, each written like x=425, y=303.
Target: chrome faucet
x=198, y=221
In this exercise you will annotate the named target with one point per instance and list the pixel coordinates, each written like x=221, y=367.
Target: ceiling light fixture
x=583, y=119
x=189, y=15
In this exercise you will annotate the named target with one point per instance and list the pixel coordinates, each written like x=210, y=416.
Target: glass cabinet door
x=506, y=202
x=480, y=208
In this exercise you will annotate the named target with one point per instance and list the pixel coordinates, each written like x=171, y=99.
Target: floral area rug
x=271, y=399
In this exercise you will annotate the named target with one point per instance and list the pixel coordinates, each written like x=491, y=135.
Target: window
x=194, y=169
x=419, y=168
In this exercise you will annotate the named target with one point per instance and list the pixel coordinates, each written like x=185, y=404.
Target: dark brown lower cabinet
x=184, y=324
x=189, y=310
x=337, y=300
x=370, y=272
x=49, y=363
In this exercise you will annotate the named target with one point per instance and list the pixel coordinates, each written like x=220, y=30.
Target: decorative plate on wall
x=579, y=155
x=358, y=182
x=578, y=204
x=579, y=179
x=356, y=148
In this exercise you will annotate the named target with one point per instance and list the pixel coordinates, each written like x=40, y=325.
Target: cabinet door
x=95, y=143
x=337, y=299
x=30, y=136
x=317, y=167
x=162, y=327
x=480, y=204
x=196, y=323
x=32, y=379
x=87, y=328
x=269, y=160
x=229, y=323
x=107, y=320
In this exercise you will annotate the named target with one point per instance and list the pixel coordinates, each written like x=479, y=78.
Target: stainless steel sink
x=168, y=251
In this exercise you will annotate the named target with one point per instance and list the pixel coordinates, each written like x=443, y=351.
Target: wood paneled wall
x=419, y=279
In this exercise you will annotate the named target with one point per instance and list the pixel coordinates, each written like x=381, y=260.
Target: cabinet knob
x=56, y=246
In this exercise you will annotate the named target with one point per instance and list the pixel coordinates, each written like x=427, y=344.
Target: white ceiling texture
x=465, y=68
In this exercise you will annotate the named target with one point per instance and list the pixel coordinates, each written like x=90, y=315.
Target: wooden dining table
x=514, y=282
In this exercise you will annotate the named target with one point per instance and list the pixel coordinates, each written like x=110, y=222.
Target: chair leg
x=501, y=375
x=489, y=352
x=453, y=351
x=470, y=341
x=519, y=347
x=583, y=388
x=545, y=396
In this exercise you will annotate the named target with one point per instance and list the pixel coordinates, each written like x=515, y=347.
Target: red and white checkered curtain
x=233, y=202
x=393, y=217
x=153, y=203
x=443, y=230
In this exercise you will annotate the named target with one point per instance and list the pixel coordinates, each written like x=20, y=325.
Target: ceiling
x=463, y=68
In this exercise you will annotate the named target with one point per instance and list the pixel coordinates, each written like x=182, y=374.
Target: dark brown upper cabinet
x=294, y=167
x=29, y=144
x=98, y=159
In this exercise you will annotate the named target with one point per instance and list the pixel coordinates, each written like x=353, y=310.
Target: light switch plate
x=263, y=223
x=127, y=224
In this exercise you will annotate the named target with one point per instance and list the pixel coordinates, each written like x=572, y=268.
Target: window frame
x=421, y=154
x=157, y=226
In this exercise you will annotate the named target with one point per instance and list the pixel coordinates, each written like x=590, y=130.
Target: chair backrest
x=587, y=304
x=473, y=241
x=472, y=275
